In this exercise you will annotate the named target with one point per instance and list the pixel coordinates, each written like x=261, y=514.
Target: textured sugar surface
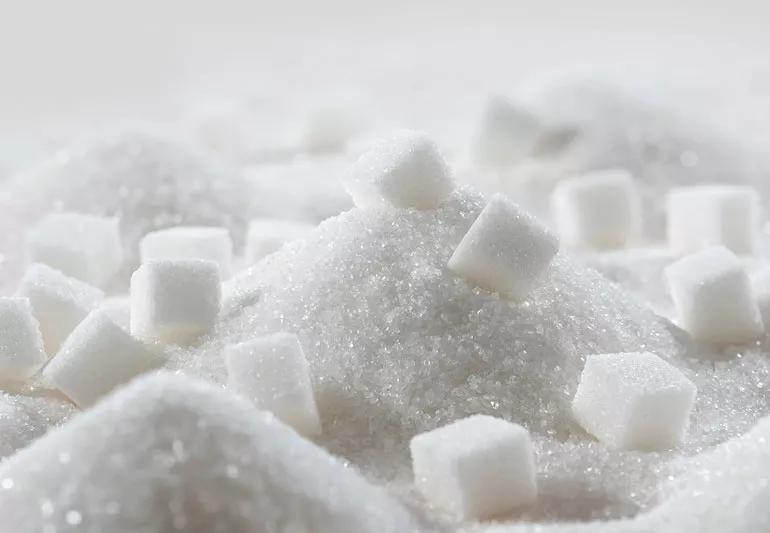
x=168, y=453
x=24, y=418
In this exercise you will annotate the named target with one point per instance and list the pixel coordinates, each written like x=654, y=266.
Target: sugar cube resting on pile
x=190, y=242
x=597, y=210
x=505, y=250
x=404, y=171
x=272, y=372
x=268, y=235
x=174, y=300
x=478, y=467
x=21, y=344
x=702, y=216
x=713, y=298
x=97, y=357
x=86, y=247
x=59, y=302
x=634, y=401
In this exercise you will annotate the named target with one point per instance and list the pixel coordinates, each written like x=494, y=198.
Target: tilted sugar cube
x=478, y=467
x=708, y=215
x=405, y=170
x=59, y=302
x=21, y=345
x=597, y=210
x=713, y=299
x=85, y=247
x=507, y=132
x=505, y=250
x=268, y=235
x=272, y=371
x=174, y=300
x=760, y=287
x=97, y=357
x=633, y=401
x=190, y=242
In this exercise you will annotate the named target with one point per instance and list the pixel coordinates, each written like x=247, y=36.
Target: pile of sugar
x=169, y=453
x=24, y=418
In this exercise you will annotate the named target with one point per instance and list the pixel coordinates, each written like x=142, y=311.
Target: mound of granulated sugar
x=146, y=182
x=170, y=453
x=25, y=418
x=397, y=344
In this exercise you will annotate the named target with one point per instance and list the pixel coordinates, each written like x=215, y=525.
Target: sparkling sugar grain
x=24, y=418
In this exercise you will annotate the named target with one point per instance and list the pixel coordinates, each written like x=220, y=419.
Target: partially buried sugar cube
x=272, y=371
x=174, y=300
x=85, y=247
x=598, y=210
x=21, y=345
x=713, y=299
x=505, y=250
x=702, y=216
x=97, y=357
x=633, y=401
x=59, y=302
x=478, y=467
x=190, y=242
x=404, y=171
x=268, y=235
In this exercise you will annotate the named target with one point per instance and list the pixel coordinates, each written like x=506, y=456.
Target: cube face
x=174, y=300
x=59, y=302
x=404, y=171
x=97, y=357
x=505, y=250
x=713, y=298
x=478, y=467
x=709, y=215
x=633, y=401
x=598, y=210
x=273, y=372
x=85, y=247
x=266, y=236
x=190, y=242
x=506, y=133
x=21, y=349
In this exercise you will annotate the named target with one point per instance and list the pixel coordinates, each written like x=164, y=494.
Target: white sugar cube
x=634, y=401
x=272, y=371
x=760, y=286
x=174, y=300
x=478, y=467
x=405, y=170
x=505, y=250
x=710, y=215
x=21, y=345
x=97, y=357
x=85, y=247
x=507, y=132
x=190, y=242
x=712, y=296
x=597, y=210
x=268, y=235
x=59, y=302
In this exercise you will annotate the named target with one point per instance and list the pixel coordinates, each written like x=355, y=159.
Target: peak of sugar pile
x=148, y=183
x=170, y=453
x=397, y=344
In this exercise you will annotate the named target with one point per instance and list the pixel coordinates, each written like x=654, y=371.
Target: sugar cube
x=507, y=132
x=268, y=235
x=505, y=250
x=174, y=300
x=405, y=170
x=712, y=295
x=710, y=215
x=760, y=287
x=97, y=357
x=86, y=247
x=633, y=401
x=597, y=210
x=190, y=242
x=478, y=467
x=21, y=345
x=59, y=302
x=272, y=371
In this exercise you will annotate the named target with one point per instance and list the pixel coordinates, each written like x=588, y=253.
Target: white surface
x=21, y=348
x=268, y=235
x=190, y=242
x=507, y=132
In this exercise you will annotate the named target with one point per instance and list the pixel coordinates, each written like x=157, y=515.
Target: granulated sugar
x=24, y=418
